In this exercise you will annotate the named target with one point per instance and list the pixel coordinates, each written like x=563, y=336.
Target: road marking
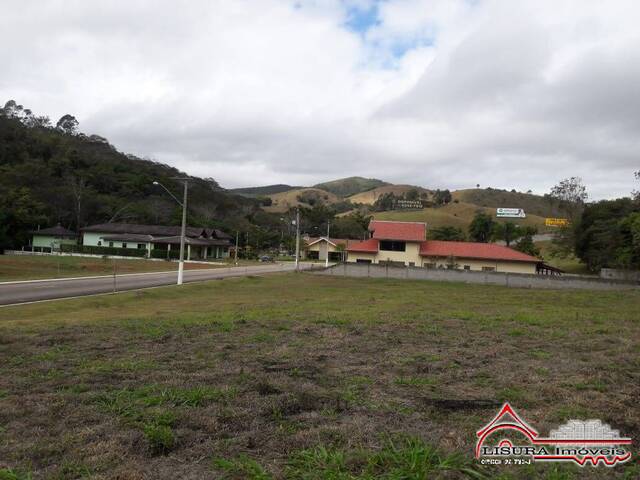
x=94, y=294
x=203, y=270
x=229, y=273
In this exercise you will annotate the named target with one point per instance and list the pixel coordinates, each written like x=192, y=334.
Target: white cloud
x=437, y=92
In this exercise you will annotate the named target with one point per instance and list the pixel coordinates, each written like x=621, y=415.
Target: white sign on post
x=510, y=213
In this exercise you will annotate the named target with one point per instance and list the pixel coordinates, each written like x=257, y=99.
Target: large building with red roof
x=406, y=244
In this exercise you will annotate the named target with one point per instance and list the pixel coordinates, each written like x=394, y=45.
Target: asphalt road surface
x=37, y=290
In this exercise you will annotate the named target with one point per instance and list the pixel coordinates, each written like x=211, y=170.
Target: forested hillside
x=53, y=174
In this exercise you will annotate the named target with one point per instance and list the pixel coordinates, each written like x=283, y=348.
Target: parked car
x=266, y=258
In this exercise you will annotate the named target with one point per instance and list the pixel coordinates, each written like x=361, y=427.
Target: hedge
x=162, y=253
x=95, y=250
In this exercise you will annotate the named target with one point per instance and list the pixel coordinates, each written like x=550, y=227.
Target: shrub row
x=162, y=253
x=95, y=250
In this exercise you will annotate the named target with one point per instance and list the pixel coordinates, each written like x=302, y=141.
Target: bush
x=160, y=437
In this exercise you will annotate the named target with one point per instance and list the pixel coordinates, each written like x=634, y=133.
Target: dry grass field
x=370, y=196
x=27, y=267
x=283, y=201
x=296, y=376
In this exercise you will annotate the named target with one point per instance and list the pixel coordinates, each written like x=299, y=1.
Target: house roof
x=367, y=246
x=333, y=241
x=488, y=251
x=57, y=231
x=217, y=233
x=205, y=242
x=128, y=237
x=155, y=230
x=407, y=231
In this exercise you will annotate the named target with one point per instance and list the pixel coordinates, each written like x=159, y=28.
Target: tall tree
x=412, y=194
x=606, y=234
x=481, y=227
x=19, y=213
x=506, y=232
x=447, y=233
x=525, y=243
x=68, y=124
x=572, y=195
x=77, y=187
x=442, y=197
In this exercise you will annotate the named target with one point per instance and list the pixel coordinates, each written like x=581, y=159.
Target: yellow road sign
x=556, y=222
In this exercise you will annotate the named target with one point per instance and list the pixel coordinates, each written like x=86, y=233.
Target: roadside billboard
x=408, y=204
x=510, y=213
x=556, y=222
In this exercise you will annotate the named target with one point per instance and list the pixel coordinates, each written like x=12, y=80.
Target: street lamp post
x=183, y=231
x=326, y=262
x=297, y=238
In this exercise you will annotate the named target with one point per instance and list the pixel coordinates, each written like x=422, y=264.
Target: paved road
x=539, y=237
x=32, y=291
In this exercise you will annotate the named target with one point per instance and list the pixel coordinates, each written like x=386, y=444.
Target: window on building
x=142, y=246
x=111, y=244
x=393, y=246
x=467, y=267
x=430, y=265
x=488, y=269
x=124, y=245
x=412, y=264
x=363, y=260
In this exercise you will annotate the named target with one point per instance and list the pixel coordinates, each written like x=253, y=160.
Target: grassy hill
x=262, y=191
x=369, y=197
x=345, y=187
x=494, y=198
x=454, y=215
x=306, y=197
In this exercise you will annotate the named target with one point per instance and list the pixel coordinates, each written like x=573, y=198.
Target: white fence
x=485, y=278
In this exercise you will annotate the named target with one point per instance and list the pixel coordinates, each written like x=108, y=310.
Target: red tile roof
x=367, y=246
x=407, y=231
x=489, y=251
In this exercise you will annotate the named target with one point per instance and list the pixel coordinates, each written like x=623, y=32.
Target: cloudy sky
x=440, y=93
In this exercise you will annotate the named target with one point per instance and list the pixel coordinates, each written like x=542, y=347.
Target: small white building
x=157, y=241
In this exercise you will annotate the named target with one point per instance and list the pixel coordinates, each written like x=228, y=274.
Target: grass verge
x=300, y=376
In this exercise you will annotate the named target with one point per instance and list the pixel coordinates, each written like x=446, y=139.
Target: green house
x=49, y=239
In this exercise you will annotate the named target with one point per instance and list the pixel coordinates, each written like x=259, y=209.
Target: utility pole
x=183, y=233
x=326, y=262
x=114, y=276
x=235, y=254
x=297, y=238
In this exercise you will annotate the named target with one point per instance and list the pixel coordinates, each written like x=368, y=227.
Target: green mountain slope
x=345, y=187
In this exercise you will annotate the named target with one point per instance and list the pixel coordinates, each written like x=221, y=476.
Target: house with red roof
x=406, y=244
x=319, y=247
